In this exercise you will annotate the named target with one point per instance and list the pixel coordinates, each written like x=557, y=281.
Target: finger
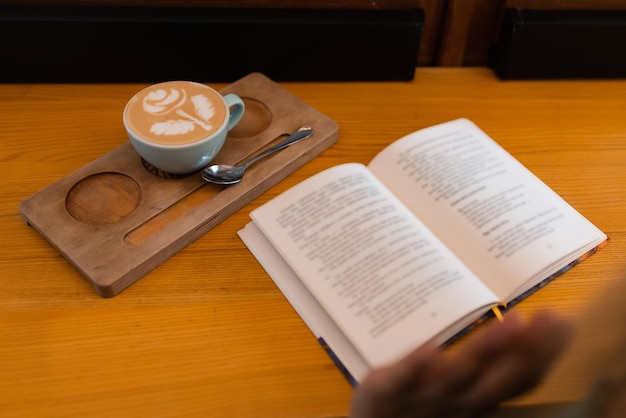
x=495, y=336
x=461, y=368
x=523, y=366
x=404, y=374
x=388, y=391
x=411, y=369
x=430, y=379
x=484, y=364
x=546, y=339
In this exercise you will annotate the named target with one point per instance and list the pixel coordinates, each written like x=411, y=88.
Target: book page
x=317, y=319
x=386, y=281
x=505, y=224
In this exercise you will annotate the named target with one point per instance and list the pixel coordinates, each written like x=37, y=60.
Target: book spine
x=337, y=362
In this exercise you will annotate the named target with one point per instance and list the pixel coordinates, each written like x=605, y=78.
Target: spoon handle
x=302, y=133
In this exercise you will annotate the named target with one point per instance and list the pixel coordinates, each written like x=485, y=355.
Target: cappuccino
x=180, y=126
x=176, y=113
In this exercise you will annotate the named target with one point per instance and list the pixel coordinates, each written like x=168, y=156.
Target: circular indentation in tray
x=103, y=198
x=256, y=118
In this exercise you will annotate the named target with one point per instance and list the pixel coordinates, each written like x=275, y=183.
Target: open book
x=440, y=227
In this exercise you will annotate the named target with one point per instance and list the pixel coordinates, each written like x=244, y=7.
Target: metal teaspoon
x=228, y=174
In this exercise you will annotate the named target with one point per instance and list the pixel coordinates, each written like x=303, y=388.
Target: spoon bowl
x=231, y=174
x=223, y=174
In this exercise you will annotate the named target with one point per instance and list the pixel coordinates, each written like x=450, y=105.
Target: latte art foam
x=158, y=102
x=175, y=113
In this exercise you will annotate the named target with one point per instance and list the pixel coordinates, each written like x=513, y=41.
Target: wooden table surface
x=207, y=333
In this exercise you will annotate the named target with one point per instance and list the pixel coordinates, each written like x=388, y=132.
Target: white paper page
x=503, y=222
x=311, y=312
x=385, y=280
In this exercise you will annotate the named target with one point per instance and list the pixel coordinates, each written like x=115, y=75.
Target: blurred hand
x=505, y=360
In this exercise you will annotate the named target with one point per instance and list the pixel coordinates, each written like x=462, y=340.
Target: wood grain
x=117, y=218
x=207, y=333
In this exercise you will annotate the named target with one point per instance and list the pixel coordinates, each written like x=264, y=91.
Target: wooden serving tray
x=117, y=218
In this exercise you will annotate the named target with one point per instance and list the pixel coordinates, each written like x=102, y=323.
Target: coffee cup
x=180, y=126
